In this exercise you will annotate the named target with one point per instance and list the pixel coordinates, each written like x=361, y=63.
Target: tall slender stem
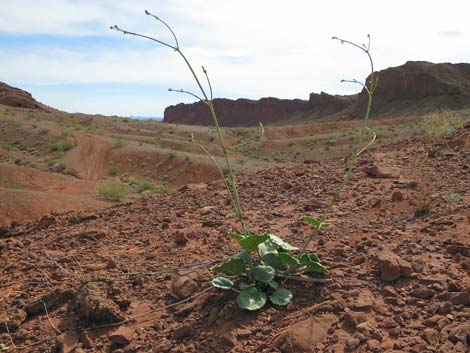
x=233, y=184
x=357, y=149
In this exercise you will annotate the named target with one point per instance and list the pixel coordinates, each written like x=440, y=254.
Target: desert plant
x=147, y=187
x=113, y=168
x=113, y=192
x=442, y=124
x=60, y=167
x=61, y=147
x=265, y=258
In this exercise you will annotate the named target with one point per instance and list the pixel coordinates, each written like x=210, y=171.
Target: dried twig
x=50, y=321
x=175, y=269
x=8, y=333
x=306, y=278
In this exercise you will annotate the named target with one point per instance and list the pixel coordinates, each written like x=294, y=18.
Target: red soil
x=364, y=309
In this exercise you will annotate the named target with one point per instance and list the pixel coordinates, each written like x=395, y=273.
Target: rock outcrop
x=417, y=87
x=245, y=112
x=17, y=98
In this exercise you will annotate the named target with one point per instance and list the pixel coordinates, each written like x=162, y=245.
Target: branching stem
x=357, y=149
x=231, y=184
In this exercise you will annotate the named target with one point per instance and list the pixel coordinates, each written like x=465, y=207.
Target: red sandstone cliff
x=242, y=112
x=15, y=97
x=419, y=87
x=415, y=87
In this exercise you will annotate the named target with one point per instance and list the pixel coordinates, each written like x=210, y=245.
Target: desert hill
x=52, y=161
x=417, y=87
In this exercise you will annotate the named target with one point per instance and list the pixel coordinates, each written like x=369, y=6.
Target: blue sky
x=64, y=53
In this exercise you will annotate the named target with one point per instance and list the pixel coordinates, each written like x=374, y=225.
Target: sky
x=63, y=52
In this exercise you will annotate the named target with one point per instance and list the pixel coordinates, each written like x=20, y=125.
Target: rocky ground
x=398, y=253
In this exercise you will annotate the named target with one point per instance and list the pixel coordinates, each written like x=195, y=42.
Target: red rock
x=180, y=238
x=183, y=287
x=123, y=335
x=303, y=336
x=397, y=196
x=67, y=342
x=45, y=222
x=378, y=171
x=430, y=336
x=15, y=97
x=243, y=112
x=392, y=266
x=13, y=318
x=423, y=293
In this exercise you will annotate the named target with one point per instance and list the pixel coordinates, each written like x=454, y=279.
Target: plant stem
x=353, y=159
x=233, y=184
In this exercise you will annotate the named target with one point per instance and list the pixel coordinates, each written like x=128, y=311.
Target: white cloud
x=251, y=48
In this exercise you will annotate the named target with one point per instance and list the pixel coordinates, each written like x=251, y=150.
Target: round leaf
x=266, y=248
x=222, y=283
x=286, y=259
x=231, y=267
x=251, y=242
x=309, y=258
x=263, y=273
x=251, y=299
x=314, y=267
x=281, y=243
x=272, y=260
x=281, y=296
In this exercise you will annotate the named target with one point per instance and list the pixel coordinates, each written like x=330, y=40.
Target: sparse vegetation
x=113, y=192
x=148, y=187
x=61, y=147
x=113, y=168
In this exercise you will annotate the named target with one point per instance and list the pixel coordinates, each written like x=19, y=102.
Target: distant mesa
x=17, y=98
x=417, y=87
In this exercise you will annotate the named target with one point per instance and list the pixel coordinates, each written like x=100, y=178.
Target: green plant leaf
x=315, y=222
x=309, y=258
x=222, y=283
x=251, y=242
x=272, y=260
x=236, y=236
x=251, y=299
x=244, y=256
x=263, y=273
x=273, y=284
x=281, y=296
x=281, y=243
x=266, y=248
x=232, y=267
x=314, y=267
x=288, y=260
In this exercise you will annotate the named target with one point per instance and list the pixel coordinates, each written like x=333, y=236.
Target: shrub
x=113, y=192
x=147, y=187
x=60, y=167
x=61, y=147
x=118, y=143
x=441, y=124
x=113, y=168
